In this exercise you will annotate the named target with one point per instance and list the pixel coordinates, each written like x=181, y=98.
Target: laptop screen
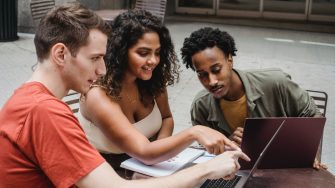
x=262, y=154
x=295, y=147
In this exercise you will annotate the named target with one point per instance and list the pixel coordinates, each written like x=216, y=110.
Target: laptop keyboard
x=220, y=183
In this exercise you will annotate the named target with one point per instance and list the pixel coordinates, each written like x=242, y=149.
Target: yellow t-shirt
x=234, y=112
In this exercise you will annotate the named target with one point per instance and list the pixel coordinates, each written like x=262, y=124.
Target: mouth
x=91, y=81
x=216, y=89
x=148, y=69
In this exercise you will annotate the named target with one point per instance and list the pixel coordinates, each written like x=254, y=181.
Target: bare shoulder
x=95, y=100
x=163, y=104
x=95, y=93
x=162, y=96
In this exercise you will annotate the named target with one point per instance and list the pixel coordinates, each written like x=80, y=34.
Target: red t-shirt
x=42, y=143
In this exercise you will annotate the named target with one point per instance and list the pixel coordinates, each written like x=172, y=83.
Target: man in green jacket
x=232, y=95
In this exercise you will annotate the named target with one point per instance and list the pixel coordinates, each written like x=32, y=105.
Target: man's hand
x=214, y=141
x=318, y=165
x=237, y=136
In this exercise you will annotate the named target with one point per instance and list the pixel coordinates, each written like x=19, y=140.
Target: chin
x=219, y=95
x=146, y=77
x=84, y=90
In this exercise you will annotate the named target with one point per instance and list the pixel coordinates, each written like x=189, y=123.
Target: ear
x=230, y=60
x=58, y=53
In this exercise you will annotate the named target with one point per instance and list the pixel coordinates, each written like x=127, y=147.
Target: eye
x=202, y=74
x=158, y=52
x=95, y=58
x=216, y=70
x=142, y=53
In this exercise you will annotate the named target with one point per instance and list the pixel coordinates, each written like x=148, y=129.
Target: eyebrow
x=212, y=66
x=97, y=54
x=200, y=71
x=146, y=48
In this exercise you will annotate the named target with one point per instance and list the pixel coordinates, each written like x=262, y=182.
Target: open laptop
x=295, y=147
x=243, y=175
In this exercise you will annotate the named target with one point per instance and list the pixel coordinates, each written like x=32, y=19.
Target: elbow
x=148, y=162
x=147, y=157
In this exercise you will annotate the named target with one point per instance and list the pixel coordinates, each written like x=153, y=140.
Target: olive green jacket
x=270, y=93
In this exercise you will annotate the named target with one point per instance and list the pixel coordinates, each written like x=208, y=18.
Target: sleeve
x=297, y=102
x=53, y=139
x=198, y=114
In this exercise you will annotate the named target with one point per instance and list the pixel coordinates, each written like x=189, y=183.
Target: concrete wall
x=104, y=4
x=25, y=21
x=170, y=7
x=26, y=24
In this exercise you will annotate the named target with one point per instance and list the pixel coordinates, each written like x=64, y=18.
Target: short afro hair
x=206, y=38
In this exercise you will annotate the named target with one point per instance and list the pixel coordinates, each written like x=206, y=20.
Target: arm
x=223, y=165
x=198, y=115
x=105, y=113
x=302, y=105
x=167, y=120
x=297, y=102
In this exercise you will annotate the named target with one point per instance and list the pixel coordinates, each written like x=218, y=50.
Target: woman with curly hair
x=126, y=113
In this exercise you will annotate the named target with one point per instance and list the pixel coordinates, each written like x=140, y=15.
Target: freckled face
x=144, y=56
x=214, y=71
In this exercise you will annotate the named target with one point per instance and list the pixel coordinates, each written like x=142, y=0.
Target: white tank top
x=148, y=126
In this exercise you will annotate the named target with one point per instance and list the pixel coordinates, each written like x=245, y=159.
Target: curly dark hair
x=127, y=29
x=206, y=38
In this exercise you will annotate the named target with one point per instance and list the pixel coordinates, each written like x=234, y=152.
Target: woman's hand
x=214, y=141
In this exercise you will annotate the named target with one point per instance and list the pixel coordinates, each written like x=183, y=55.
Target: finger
x=238, y=140
x=239, y=130
x=237, y=165
x=229, y=148
x=324, y=166
x=240, y=154
x=238, y=134
x=222, y=148
x=216, y=150
x=231, y=144
x=210, y=150
x=229, y=177
x=316, y=165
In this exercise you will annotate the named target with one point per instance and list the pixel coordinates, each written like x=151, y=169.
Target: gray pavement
x=308, y=57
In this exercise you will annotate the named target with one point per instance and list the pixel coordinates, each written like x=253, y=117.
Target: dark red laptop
x=296, y=144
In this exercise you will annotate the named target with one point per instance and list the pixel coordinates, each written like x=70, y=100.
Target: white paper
x=205, y=157
x=164, y=168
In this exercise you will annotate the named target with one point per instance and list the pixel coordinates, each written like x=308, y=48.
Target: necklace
x=133, y=99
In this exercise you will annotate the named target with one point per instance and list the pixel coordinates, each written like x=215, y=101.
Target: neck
x=236, y=90
x=128, y=79
x=50, y=77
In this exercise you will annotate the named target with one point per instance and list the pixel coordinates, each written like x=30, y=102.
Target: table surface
x=299, y=177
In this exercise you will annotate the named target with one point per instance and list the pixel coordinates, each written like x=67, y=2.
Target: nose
x=212, y=79
x=153, y=59
x=101, y=68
